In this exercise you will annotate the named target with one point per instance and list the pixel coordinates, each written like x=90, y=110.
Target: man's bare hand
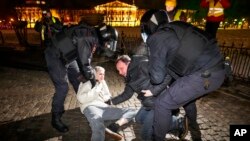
x=147, y=93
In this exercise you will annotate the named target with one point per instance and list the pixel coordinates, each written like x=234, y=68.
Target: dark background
x=239, y=8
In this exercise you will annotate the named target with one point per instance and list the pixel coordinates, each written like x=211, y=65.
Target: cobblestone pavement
x=25, y=100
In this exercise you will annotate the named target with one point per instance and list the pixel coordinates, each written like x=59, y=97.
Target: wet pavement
x=26, y=94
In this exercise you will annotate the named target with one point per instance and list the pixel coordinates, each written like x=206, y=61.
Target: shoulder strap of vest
x=71, y=31
x=177, y=15
x=178, y=27
x=53, y=19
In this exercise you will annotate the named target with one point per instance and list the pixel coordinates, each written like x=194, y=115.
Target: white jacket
x=95, y=96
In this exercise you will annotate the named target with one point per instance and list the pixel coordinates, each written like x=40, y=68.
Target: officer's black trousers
x=60, y=74
x=183, y=91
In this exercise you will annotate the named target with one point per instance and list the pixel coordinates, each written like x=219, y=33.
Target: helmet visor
x=144, y=37
x=110, y=48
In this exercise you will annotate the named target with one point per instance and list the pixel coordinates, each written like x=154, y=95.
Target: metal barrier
x=130, y=43
x=1, y=38
x=240, y=56
x=240, y=60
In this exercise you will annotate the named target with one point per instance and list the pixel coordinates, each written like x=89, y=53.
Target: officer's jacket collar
x=132, y=68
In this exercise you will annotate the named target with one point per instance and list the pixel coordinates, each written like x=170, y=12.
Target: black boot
x=112, y=131
x=182, y=127
x=176, y=112
x=155, y=138
x=194, y=130
x=58, y=124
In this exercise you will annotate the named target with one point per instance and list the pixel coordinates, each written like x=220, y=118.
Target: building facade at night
x=115, y=13
x=30, y=12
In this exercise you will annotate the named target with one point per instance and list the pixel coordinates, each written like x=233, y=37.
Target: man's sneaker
x=176, y=112
x=183, y=128
x=112, y=131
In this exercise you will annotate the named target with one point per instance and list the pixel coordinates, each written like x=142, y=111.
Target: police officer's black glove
x=88, y=72
x=93, y=82
x=148, y=102
x=81, y=78
x=108, y=102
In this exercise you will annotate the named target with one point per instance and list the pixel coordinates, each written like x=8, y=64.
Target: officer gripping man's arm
x=69, y=55
x=80, y=42
x=84, y=60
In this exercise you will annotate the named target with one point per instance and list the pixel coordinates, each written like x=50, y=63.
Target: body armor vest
x=193, y=42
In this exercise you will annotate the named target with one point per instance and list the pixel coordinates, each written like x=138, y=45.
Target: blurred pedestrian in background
x=174, y=14
x=215, y=14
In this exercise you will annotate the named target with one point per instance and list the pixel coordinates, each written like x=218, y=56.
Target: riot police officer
x=189, y=55
x=68, y=55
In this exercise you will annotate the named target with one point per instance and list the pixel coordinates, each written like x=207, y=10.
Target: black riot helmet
x=107, y=32
x=152, y=19
x=46, y=12
x=108, y=36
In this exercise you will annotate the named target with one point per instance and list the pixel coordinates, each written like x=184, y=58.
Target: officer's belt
x=204, y=72
x=207, y=72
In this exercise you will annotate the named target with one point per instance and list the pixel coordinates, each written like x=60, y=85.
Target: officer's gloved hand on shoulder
x=93, y=82
x=82, y=79
x=148, y=102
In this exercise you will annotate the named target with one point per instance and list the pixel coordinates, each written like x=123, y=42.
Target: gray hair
x=99, y=68
x=124, y=58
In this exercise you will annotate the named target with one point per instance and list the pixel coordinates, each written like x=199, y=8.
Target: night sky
x=91, y=3
x=239, y=7
x=6, y=6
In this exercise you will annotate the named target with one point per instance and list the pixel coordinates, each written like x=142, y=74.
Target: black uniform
x=68, y=58
x=205, y=75
x=68, y=55
x=137, y=79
